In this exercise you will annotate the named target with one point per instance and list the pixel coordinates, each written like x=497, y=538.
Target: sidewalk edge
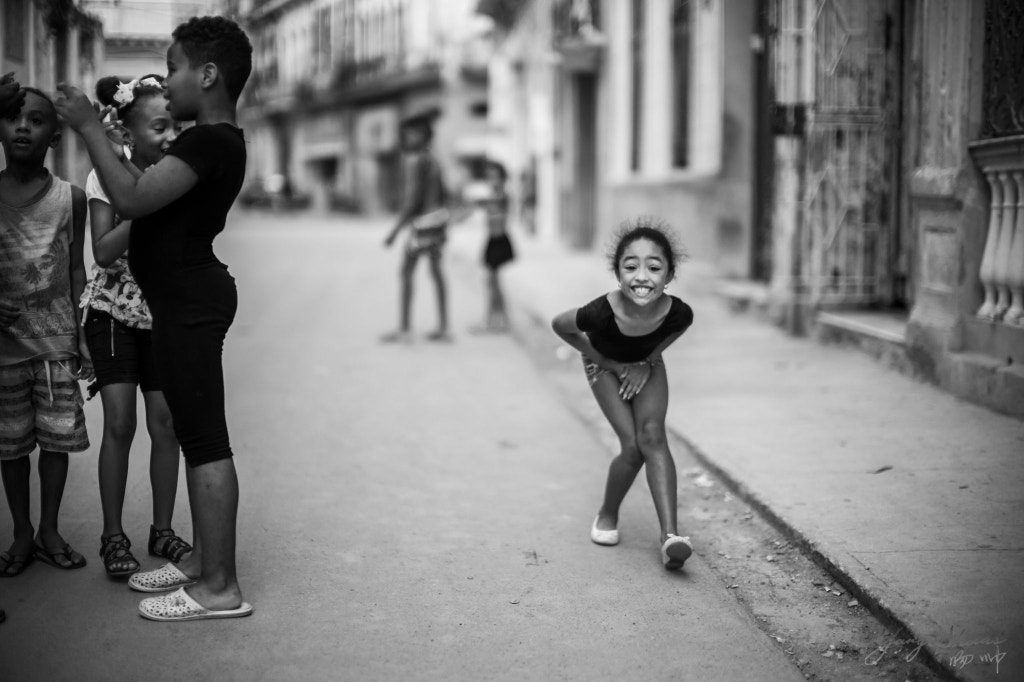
x=867, y=595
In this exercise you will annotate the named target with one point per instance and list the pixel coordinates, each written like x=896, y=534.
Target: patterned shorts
x=40, y=405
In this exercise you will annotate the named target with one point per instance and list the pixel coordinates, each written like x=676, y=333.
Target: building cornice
x=272, y=8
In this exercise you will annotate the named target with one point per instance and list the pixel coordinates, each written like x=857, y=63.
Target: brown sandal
x=116, y=549
x=19, y=561
x=173, y=547
x=52, y=557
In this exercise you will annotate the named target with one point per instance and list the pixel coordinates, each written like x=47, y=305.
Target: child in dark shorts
x=179, y=206
x=622, y=336
x=498, y=248
x=118, y=328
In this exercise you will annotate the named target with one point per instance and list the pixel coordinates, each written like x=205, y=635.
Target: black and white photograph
x=512, y=340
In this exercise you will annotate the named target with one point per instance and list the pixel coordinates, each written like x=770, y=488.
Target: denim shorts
x=120, y=354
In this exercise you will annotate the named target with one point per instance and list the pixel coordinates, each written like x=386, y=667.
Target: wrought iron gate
x=849, y=236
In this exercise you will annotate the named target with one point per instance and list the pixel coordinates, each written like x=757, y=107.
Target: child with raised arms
x=118, y=328
x=622, y=335
x=179, y=206
x=43, y=352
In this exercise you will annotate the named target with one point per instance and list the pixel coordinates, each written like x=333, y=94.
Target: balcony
x=578, y=40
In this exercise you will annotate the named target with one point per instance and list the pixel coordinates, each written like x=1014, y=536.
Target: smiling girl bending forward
x=622, y=335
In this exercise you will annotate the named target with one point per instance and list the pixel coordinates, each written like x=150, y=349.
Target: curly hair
x=53, y=109
x=107, y=87
x=652, y=229
x=219, y=41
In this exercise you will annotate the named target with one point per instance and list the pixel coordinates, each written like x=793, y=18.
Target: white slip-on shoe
x=178, y=606
x=167, y=577
x=676, y=551
x=604, y=537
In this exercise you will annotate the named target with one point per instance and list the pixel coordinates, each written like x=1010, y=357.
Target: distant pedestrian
x=498, y=249
x=622, y=336
x=118, y=327
x=179, y=206
x=425, y=214
x=43, y=352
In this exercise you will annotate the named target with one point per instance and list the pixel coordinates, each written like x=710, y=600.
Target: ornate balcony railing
x=1003, y=99
x=577, y=34
x=1002, y=264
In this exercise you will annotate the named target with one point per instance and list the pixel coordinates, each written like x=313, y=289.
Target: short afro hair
x=219, y=41
x=652, y=229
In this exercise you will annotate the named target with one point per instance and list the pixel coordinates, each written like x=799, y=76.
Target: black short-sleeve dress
x=191, y=293
x=597, y=320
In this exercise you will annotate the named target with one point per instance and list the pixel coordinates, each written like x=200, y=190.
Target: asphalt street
x=413, y=511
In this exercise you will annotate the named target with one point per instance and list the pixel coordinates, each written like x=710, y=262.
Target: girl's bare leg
x=119, y=423
x=213, y=495
x=442, y=293
x=164, y=458
x=649, y=409
x=627, y=464
x=497, y=316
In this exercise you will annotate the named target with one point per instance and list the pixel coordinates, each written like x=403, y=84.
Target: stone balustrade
x=1002, y=264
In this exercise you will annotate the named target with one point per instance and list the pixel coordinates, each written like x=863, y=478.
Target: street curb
x=864, y=594
x=534, y=335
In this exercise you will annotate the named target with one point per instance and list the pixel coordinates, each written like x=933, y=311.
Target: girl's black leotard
x=190, y=292
x=597, y=320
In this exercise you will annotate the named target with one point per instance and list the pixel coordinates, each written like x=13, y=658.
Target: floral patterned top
x=113, y=290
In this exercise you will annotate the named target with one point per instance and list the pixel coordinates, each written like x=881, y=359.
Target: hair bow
x=125, y=93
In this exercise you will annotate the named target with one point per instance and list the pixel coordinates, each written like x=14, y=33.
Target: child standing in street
x=118, y=328
x=178, y=207
x=622, y=336
x=42, y=348
x=498, y=248
x=426, y=217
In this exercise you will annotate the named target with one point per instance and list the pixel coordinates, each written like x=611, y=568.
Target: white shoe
x=180, y=606
x=167, y=577
x=604, y=537
x=676, y=551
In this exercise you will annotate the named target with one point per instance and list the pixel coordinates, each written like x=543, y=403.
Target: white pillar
x=987, y=273
x=1003, y=248
x=1015, y=259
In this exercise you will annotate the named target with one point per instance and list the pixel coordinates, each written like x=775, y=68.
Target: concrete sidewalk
x=910, y=497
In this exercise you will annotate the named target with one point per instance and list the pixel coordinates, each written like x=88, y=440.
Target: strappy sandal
x=63, y=558
x=173, y=547
x=115, y=549
x=19, y=562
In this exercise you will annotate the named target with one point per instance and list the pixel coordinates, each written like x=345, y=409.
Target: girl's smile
x=642, y=272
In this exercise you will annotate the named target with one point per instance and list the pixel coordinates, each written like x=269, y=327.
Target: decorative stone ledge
x=1002, y=265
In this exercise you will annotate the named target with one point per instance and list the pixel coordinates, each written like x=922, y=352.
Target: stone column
x=1002, y=267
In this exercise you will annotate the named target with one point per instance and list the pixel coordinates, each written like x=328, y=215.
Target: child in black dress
x=498, y=249
x=178, y=206
x=622, y=335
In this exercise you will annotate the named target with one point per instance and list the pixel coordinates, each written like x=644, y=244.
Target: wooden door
x=850, y=237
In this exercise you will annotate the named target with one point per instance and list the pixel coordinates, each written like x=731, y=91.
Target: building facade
x=613, y=109
x=46, y=42
x=896, y=205
x=333, y=78
x=855, y=164
x=136, y=35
